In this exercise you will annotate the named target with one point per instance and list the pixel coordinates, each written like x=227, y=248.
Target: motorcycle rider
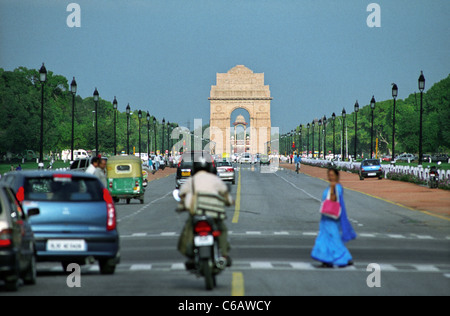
x=205, y=180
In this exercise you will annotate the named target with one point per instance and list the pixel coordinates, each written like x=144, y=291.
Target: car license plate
x=372, y=174
x=66, y=245
x=204, y=240
x=185, y=173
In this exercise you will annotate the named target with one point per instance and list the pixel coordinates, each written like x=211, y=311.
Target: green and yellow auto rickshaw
x=125, y=178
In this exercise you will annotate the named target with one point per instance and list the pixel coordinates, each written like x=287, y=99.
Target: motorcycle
x=433, y=179
x=208, y=261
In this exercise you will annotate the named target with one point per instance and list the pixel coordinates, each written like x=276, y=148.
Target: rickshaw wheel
x=128, y=201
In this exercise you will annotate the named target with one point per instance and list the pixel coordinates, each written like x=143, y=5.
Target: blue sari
x=329, y=247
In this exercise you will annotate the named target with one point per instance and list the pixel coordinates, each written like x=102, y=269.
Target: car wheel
x=12, y=284
x=128, y=201
x=142, y=201
x=107, y=266
x=30, y=275
x=361, y=177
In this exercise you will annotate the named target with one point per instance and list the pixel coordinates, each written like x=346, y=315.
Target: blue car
x=370, y=168
x=77, y=217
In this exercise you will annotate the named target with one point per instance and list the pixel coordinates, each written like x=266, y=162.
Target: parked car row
x=411, y=157
x=62, y=216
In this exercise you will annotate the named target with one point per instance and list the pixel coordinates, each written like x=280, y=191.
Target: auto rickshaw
x=125, y=178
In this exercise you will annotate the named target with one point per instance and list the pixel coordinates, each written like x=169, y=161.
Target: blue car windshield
x=371, y=163
x=63, y=189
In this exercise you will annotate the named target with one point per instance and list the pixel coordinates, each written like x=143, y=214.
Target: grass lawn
x=5, y=167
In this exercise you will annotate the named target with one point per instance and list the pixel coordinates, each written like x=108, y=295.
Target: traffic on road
x=75, y=229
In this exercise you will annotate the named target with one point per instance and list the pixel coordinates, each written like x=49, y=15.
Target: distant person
x=100, y=171
x=93, y=165
x=157, y=162
x=329, y=247
x=12, y=168
x=19, y=167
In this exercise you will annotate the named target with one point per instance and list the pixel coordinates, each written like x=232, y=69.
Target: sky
x=162, y=56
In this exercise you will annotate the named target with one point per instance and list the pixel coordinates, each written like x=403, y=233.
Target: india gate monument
x=240, y=88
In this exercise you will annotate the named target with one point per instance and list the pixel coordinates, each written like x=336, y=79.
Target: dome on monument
x=240, y=119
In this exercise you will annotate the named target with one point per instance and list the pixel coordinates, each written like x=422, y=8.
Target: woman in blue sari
x=329, y=247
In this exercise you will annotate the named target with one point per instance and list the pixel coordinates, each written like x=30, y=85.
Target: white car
x=246, y=158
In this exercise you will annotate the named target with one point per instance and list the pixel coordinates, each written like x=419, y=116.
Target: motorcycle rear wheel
x=208, y=274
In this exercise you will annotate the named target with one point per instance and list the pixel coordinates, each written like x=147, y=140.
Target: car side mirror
x=33, y=211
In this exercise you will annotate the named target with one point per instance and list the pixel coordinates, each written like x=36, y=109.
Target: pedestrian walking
x=93, y=165
x=157, y=162
x=330, y=247
x=100, y=171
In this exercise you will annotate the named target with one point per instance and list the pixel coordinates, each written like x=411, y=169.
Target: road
x=272, y=232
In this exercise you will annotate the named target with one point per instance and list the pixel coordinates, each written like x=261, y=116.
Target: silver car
x=225, y=171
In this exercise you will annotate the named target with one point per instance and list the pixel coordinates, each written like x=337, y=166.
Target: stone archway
x=240, y=88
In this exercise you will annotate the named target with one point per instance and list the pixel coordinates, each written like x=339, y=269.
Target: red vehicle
x=386, y=158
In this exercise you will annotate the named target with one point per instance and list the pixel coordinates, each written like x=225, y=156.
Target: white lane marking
x=395, y=236
x=281, y=233
x=144, y=207
x=261, y=265
x=141, y=267
x=95, y=268
x=252, y=233
x=447, y=275
x=309, y=233
x=139, y=234
x=302, y=266
x=425, y=268
x=308, y=194
x=177, y=266
x=366, y=235
x=168, y=234
x=424, y=237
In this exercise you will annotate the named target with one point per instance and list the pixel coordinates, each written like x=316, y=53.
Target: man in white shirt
x=100, y=171
x=93, y=165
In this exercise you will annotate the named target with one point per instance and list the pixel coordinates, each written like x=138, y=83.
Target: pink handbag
x=330, y=208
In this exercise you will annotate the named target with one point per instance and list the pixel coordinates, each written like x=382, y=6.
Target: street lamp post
x=344, y=114
x=307, y=140
x=115, y=121
x=73, y=90
x=139, y=129
x=42, y=79
x=320, y=135
x=333, y=117
x=421, y=88
x=324, y=137
x=162, y=135
x=300, y=139
x=372, y=106
x=313, y=153
x=96, y=120
x=128, y=128
x=168, y=136
x=394, y=95
x=154, y=135
x=356, y=126
x=148, y=135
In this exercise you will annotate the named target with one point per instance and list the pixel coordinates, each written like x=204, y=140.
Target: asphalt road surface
x=272, y=231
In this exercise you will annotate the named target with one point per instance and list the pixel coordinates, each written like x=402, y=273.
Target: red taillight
x=20, y=195
x=137, y=183
x=110, y=184
x=5, y=237
x=62, y=175
x=216, y=233
x=230, y=169
x=202, y=228
x=110, y=210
